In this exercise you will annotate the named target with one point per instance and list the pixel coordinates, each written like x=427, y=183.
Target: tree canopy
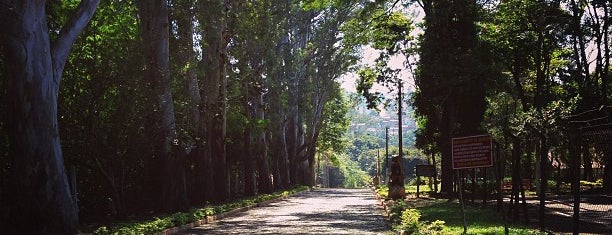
x=111, y=109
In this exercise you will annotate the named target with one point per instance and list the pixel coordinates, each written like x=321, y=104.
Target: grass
x=383, y=190
x=479, y=220
x=413, y=188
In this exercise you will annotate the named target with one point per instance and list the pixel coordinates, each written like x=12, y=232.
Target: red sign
x=472, y=152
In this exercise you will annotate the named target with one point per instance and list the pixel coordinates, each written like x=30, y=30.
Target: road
x=322, y=211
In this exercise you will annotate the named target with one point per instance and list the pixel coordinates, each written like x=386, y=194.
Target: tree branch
x=68, y=35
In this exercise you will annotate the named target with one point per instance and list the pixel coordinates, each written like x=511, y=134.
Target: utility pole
x=396, y=183
x=387, y=152
x=378, y=170
x=399, y=120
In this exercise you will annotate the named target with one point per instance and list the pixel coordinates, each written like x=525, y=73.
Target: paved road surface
x=323, y=211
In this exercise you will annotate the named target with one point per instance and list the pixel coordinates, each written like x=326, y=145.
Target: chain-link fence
x=591, y=151
x=558, y=183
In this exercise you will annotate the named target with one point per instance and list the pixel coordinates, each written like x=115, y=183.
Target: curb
x=385, y=211
x=385, y=208
x=387, y=214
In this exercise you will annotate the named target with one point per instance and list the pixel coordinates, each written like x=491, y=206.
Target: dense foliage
x=518, y=70
x=156, y=106
x=165, y=105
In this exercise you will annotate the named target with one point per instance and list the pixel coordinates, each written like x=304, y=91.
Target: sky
x=370, y=54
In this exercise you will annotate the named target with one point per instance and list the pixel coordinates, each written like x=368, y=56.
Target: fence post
x=575, y=146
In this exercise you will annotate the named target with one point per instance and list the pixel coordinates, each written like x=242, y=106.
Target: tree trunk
x=250, y=185
x=444, y=141
x=292, y=131
x=186, y=59
x=218, y=102
x=277, y=94
x=214, y=96
x=301, y=31
x=580, y=53
x=39, y=189
x=280, y=147
x=155, y=34
x=315, y=125
x=606, y=70
x=538, y=98
x=516, y=175
x=264, y=181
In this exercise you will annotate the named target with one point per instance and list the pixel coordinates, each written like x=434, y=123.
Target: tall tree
x=168, y=158
x=184, y=64
x=278, y=95
x=452, y=74
x=329, y=63
x=254, y=38
x=216, y=35
x=300, y=32
x=39, y=187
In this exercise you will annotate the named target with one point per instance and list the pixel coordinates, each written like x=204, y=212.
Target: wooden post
x=474, y=178
x=485, y=187
x=418, y=185
x=433, y=161
x=459, y=176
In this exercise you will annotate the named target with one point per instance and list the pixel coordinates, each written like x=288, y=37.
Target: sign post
x=470, y=152
x=424, y=170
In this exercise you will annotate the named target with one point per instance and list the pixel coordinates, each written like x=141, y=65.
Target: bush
x=383, y=191
x=411, y=224
x=180, y=218
x=396, y=208
x=410, y=221
x=434, y=228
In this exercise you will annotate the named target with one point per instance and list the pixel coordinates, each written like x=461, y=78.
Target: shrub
x=383, y=191
x=395, y=210
x=180, y=218
x=411, y=224
x=410, y=221
x=434, y=228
